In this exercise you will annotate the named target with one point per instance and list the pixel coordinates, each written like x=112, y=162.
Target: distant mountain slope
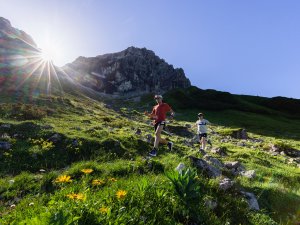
x=195, y=98
x=131, y=72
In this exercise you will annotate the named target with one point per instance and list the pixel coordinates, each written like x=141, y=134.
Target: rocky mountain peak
x=132, y=71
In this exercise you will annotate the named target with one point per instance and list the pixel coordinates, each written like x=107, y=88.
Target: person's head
x=200, y=115
x=158, y=98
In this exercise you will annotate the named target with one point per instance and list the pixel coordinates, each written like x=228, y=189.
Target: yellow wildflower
x=76, y=196
x=113, y=179
x=72, y=196
x=103, y=210
x=63, y=179
x=87, y=171
x=121, y=194
x=98, y=182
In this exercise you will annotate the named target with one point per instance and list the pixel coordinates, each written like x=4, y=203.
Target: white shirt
x=201, y=124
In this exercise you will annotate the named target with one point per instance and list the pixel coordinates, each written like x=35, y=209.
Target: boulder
x=201, y=164
x=226, y=184
x=250, y=174
x=240, y=134
x=222, y=151
x=213, y=161
x=251, y=199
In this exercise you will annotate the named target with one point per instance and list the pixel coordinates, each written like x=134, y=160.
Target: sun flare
x=50, y=53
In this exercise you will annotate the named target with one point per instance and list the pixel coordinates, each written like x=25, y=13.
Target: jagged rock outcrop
x=129, y=72
x=16, y=47
x=18, y=57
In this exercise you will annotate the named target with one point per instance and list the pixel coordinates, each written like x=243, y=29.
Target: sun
x=46, y=56
x=50, y=52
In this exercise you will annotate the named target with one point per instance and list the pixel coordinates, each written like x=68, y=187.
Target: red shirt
x=160, y=111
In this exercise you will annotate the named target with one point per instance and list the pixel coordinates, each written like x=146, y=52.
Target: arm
x=151, y=115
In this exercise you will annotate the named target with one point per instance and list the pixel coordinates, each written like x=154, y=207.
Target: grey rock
x=222, y=151
x=201, y=164
x=187, y=143
x=138, y=131
x=6, y=125
x=180, y=167
x=250, y=174
x=210, y=204
x=5, y=145
x=240, y=134
x=232, y=165
x=55, y=138
x=127, y=73
x=213, y=161
x=149, y=138
x=251, y=199
x=226, y=184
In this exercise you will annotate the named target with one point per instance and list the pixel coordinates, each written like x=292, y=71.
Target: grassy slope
x=106, y=142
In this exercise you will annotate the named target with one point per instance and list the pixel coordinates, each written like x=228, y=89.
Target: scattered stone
x=274, y=148
x=55, y=138
x=292, y=152
x=241, y=144
x=11, y=182
x=18, y=136
x=149, y=138
x=5, y=145
x=5, y=125
x=232, y=165
x=225, y=140
x=210, y=204
x=5, y=136
x=138, y=131
x=213, y=161
x=180, y=167
x=250, y=174
x=274, y=153
x=240, y=134
x=220, y=151
x=201, y=164
x=75, y=143
x=251, y=199
x=226, y=184
x=235, y=167
x=187, y=143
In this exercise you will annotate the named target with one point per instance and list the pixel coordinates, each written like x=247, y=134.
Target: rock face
x=19, y=56
x=129, y=72
x=15, y=46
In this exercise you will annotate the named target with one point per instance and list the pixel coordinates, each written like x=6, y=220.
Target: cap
x=158, y=96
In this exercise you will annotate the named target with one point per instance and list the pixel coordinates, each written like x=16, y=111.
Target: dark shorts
x=202, y=135
x=163, y=123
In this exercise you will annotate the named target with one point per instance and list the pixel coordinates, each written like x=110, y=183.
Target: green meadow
x=77, y=160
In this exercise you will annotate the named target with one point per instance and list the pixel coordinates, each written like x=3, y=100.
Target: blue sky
x=243, y=47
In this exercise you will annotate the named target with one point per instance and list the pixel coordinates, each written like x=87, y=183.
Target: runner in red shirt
x=158, y=114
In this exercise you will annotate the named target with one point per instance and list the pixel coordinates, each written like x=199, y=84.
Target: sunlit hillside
x=71, y=159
